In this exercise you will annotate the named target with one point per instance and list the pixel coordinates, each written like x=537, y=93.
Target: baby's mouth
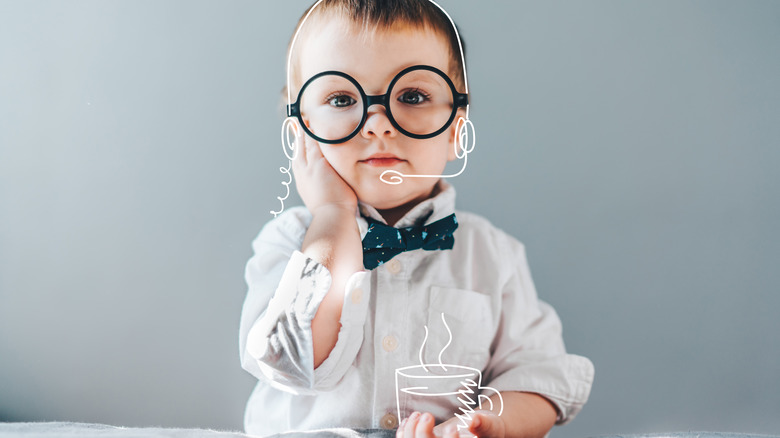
x=382, y=160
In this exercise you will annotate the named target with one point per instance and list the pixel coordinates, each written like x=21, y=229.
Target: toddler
x=378, y=272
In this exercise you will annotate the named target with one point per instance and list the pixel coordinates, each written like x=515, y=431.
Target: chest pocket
x=460, y=328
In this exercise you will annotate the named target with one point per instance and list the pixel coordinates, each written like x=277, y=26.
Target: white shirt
x=481, y=289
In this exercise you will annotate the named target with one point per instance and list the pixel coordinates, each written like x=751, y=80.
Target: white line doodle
x=464, y=128
x=440, y=380
x=449, y=341
x=292, y=45
x=290, y=122
x=289, y=127
x=422, y=347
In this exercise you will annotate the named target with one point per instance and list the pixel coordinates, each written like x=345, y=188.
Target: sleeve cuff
x=353, y=316
x=564, y=380
x=280, y=341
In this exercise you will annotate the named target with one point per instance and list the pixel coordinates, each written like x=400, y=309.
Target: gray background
x=633, y=147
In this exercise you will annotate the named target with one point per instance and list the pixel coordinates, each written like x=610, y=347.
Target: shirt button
x=394, y=266
x=389, y=343
x=357, y=296
x=389, y=421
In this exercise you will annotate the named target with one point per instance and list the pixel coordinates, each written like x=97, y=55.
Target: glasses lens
x=331, y=107
x=421, y=102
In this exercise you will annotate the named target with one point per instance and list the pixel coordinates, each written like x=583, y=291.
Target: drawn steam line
x=425, y=339
x=422, y=347
x=449, y=341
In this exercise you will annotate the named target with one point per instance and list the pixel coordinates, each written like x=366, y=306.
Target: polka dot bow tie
x=383, y=242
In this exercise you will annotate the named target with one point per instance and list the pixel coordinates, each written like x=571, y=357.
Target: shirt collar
x=440, y=205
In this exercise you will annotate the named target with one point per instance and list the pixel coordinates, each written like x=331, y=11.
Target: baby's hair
x=373, y=15
x=368, y=17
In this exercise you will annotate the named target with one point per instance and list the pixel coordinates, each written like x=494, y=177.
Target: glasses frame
x=459, y=100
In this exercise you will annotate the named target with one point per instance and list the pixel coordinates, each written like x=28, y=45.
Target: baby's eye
x=413, y=97
x=340, y=100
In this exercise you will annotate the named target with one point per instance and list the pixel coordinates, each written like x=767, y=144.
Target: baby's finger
x=303, y=143
x=400, y=432
x=313, y=151
x=487, y=425
x=299, y=162
x=409, y=424
x=450, y=431
x=424, y=427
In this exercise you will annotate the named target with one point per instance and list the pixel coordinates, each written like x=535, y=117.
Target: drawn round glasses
x=420, y=102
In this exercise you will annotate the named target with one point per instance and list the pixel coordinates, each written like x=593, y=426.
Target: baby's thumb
x=486, y=426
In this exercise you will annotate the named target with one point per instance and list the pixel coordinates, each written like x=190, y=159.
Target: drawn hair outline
x=462, y=128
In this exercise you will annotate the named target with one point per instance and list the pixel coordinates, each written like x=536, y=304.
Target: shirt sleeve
x=529, y=353
x=285, y=289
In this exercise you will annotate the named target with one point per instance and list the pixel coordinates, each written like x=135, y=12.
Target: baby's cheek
x=437, y=161
x=334, y=157
x=344, y=166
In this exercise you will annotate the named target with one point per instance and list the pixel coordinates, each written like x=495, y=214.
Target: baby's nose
x=378, y=123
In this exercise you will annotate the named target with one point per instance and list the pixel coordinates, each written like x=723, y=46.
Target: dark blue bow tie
x=383, y=242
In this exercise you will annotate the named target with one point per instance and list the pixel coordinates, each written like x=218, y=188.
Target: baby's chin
x=380, y=204
x=383, y=196
x=385, y=201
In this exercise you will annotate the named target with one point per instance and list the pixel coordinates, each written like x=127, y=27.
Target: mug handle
x=500, y=399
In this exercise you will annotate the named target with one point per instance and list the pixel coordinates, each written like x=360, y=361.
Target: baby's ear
x=454, y=131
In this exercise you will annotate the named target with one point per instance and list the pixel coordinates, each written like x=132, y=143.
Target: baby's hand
x=484, y=424
x=317, y=182
x=421, y=426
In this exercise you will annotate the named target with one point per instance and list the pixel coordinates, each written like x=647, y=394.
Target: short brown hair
x=372, y=15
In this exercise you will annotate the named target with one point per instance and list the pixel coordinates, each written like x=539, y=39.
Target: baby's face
x=379, y=146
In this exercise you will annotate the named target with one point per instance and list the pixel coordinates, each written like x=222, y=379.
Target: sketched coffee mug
x=436, y=386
